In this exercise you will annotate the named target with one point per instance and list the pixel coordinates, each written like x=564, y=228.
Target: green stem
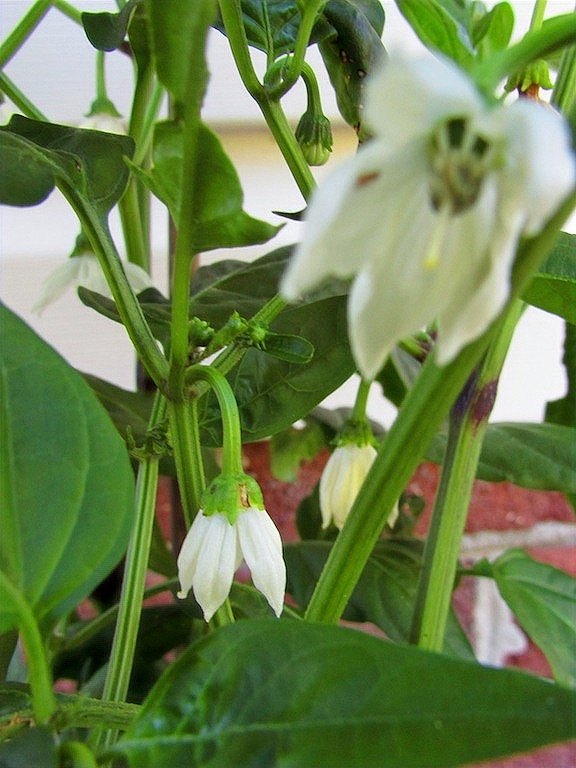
x=19, y=99
x=359, y=409
x=420, y=417
x=185, y=440
x=128, y=307
x=538, y=14
x=130, y=607
x=272, y=111
x=467, y=426
x=231, y=434
x=137, y=251
x=555, y=33
x=564, y=93
x=40, y=679
x=294, y=69
x=68, y=10
x=23, y=30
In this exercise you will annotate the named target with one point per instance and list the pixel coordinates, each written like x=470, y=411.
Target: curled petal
x=262, y=550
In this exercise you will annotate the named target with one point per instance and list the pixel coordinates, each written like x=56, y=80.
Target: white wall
x=56, y=71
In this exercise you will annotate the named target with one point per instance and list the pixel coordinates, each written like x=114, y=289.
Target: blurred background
x=56, y=70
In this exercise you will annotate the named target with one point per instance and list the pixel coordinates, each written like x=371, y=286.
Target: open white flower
x=214, y=548
x=426, y=217
x=85, y=271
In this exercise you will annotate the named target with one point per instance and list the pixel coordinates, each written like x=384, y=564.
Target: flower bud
x=314, y=135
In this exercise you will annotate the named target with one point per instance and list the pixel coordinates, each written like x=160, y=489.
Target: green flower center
x=459, y=162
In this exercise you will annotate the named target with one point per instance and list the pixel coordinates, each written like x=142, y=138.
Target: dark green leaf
x=66, y=482
x=130, y=411
x=287, y=693
x=438, y=29
x=385, y=594
x=554, y=285
x=222, y=222
x=31, y=747
x=288, y=347
x=543, y=600
x=351, y=53
x=540, y=456
x=272, y=25
x=273, y=394
x=106, y=31
x=90, y=161
x=563, y=411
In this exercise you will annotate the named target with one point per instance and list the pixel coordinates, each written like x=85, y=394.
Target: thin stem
x=359, y=409
x=185, y=439
x=101, y=93
x=467, y=427
x=130, y=607
x=43, y=698
x=23, y=30
x=538, y=14
x=294, y=69
x=19, y=99
x=68, y=10
x=231, y=435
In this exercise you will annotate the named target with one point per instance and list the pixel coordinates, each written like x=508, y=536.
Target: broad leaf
x=31, y=747
x=286, y=693
x=493, y=30
x=352, y=52
x=106, y=31
x=35, y=156
x=553, y=288
x=543, y=599
x=438, y=29
x=272, y=25
x=384, y=595
x=66, y=485
x=539, y=456
x=222, y=223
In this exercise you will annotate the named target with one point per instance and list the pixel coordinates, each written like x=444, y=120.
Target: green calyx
x=314, y=136
x=355, y=432
x=535, y=75
x=230, y=494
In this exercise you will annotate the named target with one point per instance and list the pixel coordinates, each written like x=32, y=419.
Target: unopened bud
x=314, y=135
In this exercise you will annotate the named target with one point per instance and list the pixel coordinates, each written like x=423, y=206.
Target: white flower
x=426, y=217
x=85, y=271
x=342, y=478
x=106, y=122
x=214, y=548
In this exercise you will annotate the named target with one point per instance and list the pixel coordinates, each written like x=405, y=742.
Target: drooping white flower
x=106, y=122
x=215, y=546
x=342, y=478
x=426, y=217
x=85, y=270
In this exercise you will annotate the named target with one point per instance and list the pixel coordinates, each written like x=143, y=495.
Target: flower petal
x=343, y=475
x=261, y=547
x=408, y=97
x=57, y=283
x=207, y=561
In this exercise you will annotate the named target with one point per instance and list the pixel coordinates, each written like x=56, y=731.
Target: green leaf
x=272, y=394
x=289, y=448
x=30, y=747
x=287, y=693
x=384, y=595
x=272, y=25
x=222, y=222
x=438, y=29
x=543, y=600
x=539, y=456
x=493, y=30
x=66, y=485
x=352, y=52
x=176, y=31
x=35, y=156
x=554, y=285
x=563, y=411
x=106, y=31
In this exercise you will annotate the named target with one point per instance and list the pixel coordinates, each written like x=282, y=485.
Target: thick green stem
x=126, y=633
x=185, y=440
x=39, y=677
x=422, y=413
x=23, y=30
x=468, y=423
